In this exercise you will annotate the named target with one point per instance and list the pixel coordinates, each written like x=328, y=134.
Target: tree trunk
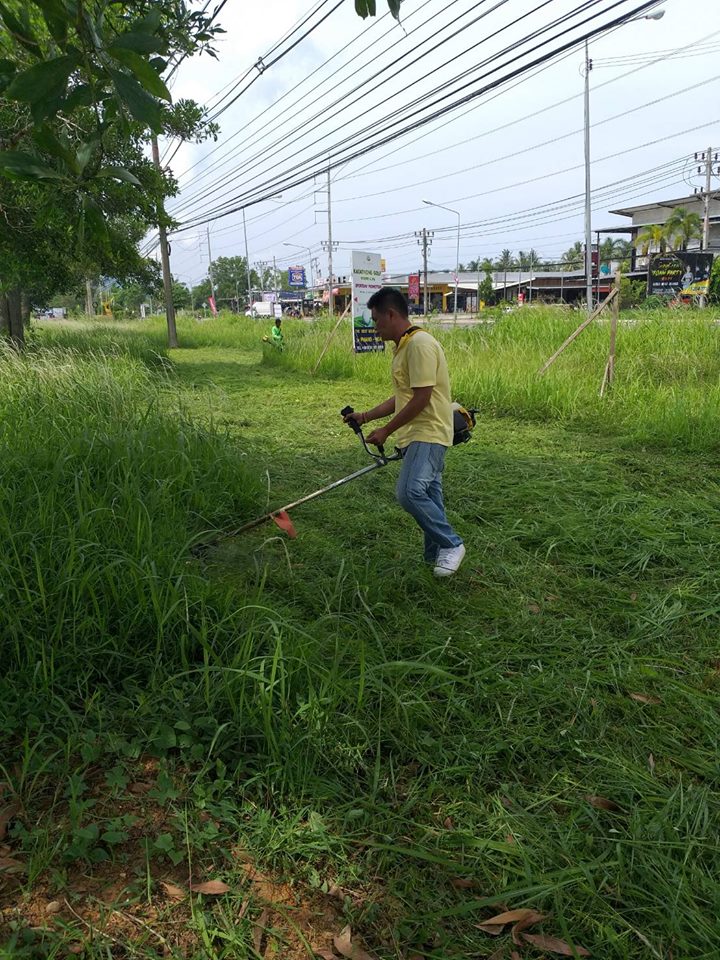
x=11, y=320
x=89, y=308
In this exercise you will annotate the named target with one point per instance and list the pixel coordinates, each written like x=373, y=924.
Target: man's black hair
x=388, y=298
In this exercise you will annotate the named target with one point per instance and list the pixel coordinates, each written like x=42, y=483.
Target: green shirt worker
x=276, y=333
x=421, y=426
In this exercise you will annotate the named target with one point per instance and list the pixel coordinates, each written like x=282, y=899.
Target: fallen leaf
x=515, y=916
x=324, y=954
x=449, y=823
x=602, y=803
x=52, y=907
x=142, y=786
x=494, y=929
x=76, y=948
x=530, y=920
x=534, y=608
x=514, y=955
x=7, y=814
x=644, y=698
x=553, y=945
x=651, y=763
x=259, y=929
x=212, y=887
x=345, y=947
x=8, y=865
x=462, y=883
x=174, y=892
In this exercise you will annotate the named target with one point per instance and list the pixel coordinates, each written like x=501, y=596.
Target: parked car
x=415, y=309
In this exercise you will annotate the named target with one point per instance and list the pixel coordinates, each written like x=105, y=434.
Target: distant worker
x=276, y=335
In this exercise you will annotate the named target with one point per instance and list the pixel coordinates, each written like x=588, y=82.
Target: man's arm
x=417, y=403
x=383, y=409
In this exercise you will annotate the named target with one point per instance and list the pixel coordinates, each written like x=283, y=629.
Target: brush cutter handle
x=355, y=426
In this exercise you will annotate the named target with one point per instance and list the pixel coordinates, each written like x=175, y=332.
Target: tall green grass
x=666, y=391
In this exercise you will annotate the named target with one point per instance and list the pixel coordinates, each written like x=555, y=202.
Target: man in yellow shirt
x=422, y=425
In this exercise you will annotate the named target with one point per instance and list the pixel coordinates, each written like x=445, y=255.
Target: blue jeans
x=419, y=492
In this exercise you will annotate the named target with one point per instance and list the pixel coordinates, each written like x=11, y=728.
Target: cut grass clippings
x=319, y=726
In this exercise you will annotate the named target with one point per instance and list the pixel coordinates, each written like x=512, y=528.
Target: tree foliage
x=82, y=90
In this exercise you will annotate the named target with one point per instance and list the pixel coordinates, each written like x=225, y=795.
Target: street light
x=457, y=258
x=656, y=15
x=300, y=246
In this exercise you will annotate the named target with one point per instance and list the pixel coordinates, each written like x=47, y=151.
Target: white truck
x=260, y=308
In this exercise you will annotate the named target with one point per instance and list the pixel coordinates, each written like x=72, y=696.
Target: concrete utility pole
x=708, y=158
x=210, y=273
x=165, y=257
x=425, y=241
x=247, y=263
x=588, y=201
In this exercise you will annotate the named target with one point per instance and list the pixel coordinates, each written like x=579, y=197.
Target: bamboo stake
x=330, y=339
x=609, y=374
x=576, y=333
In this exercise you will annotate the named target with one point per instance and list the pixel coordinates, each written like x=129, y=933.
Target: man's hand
x=356, y=415
x=379, y=437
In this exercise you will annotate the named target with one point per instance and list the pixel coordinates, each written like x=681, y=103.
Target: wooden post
x=576, y=333
x=330, y=339
x=610, y=365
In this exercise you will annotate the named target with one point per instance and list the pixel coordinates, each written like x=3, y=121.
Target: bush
x=632, y=293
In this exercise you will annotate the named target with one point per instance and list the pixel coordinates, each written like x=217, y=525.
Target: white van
x=260, y=309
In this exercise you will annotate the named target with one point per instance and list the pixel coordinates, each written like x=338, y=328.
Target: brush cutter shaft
x=310, y=496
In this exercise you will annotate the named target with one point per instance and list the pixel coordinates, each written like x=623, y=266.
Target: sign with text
x=680, y=274
x=296, y=276
x=366, y=279
x=414, y=286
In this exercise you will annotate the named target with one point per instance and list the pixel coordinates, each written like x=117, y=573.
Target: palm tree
x=505, y=263
x=653, y=235
x=681, y=227
x=572, y=259
x=613, y=248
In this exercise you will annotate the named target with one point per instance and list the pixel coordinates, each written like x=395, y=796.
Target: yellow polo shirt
x=419, y=361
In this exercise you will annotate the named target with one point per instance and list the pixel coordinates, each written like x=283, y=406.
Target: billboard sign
x=366, y=279
x=680, y=274
x=414, y=286
x=296, y=277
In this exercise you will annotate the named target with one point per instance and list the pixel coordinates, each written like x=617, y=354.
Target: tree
x=653, y=236
x=683, y=226
x=573, y=258
x=506, y=262
x=181, y=294
x=714, y=288
x=486, y=290
x=82, y=90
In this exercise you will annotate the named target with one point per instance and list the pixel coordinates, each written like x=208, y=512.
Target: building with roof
x=659, y=212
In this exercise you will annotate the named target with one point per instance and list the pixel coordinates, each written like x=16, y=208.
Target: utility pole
x=275, y=283
x=247, y=263
x=165, y=256
x=588, y=201
x=425, y=241
x=708, y=159
x=210, y=273
x=329, y=246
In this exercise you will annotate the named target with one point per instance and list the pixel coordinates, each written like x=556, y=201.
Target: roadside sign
x=366, y=279
x=296, y=277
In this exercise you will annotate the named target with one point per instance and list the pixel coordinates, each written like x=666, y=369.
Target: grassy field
x=318, y=728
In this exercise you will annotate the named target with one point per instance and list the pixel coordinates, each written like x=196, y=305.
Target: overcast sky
x=494, y=160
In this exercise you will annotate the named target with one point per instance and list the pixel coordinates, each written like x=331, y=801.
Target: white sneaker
x=449, y=560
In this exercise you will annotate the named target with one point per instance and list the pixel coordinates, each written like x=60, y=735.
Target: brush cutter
x=463, y=423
